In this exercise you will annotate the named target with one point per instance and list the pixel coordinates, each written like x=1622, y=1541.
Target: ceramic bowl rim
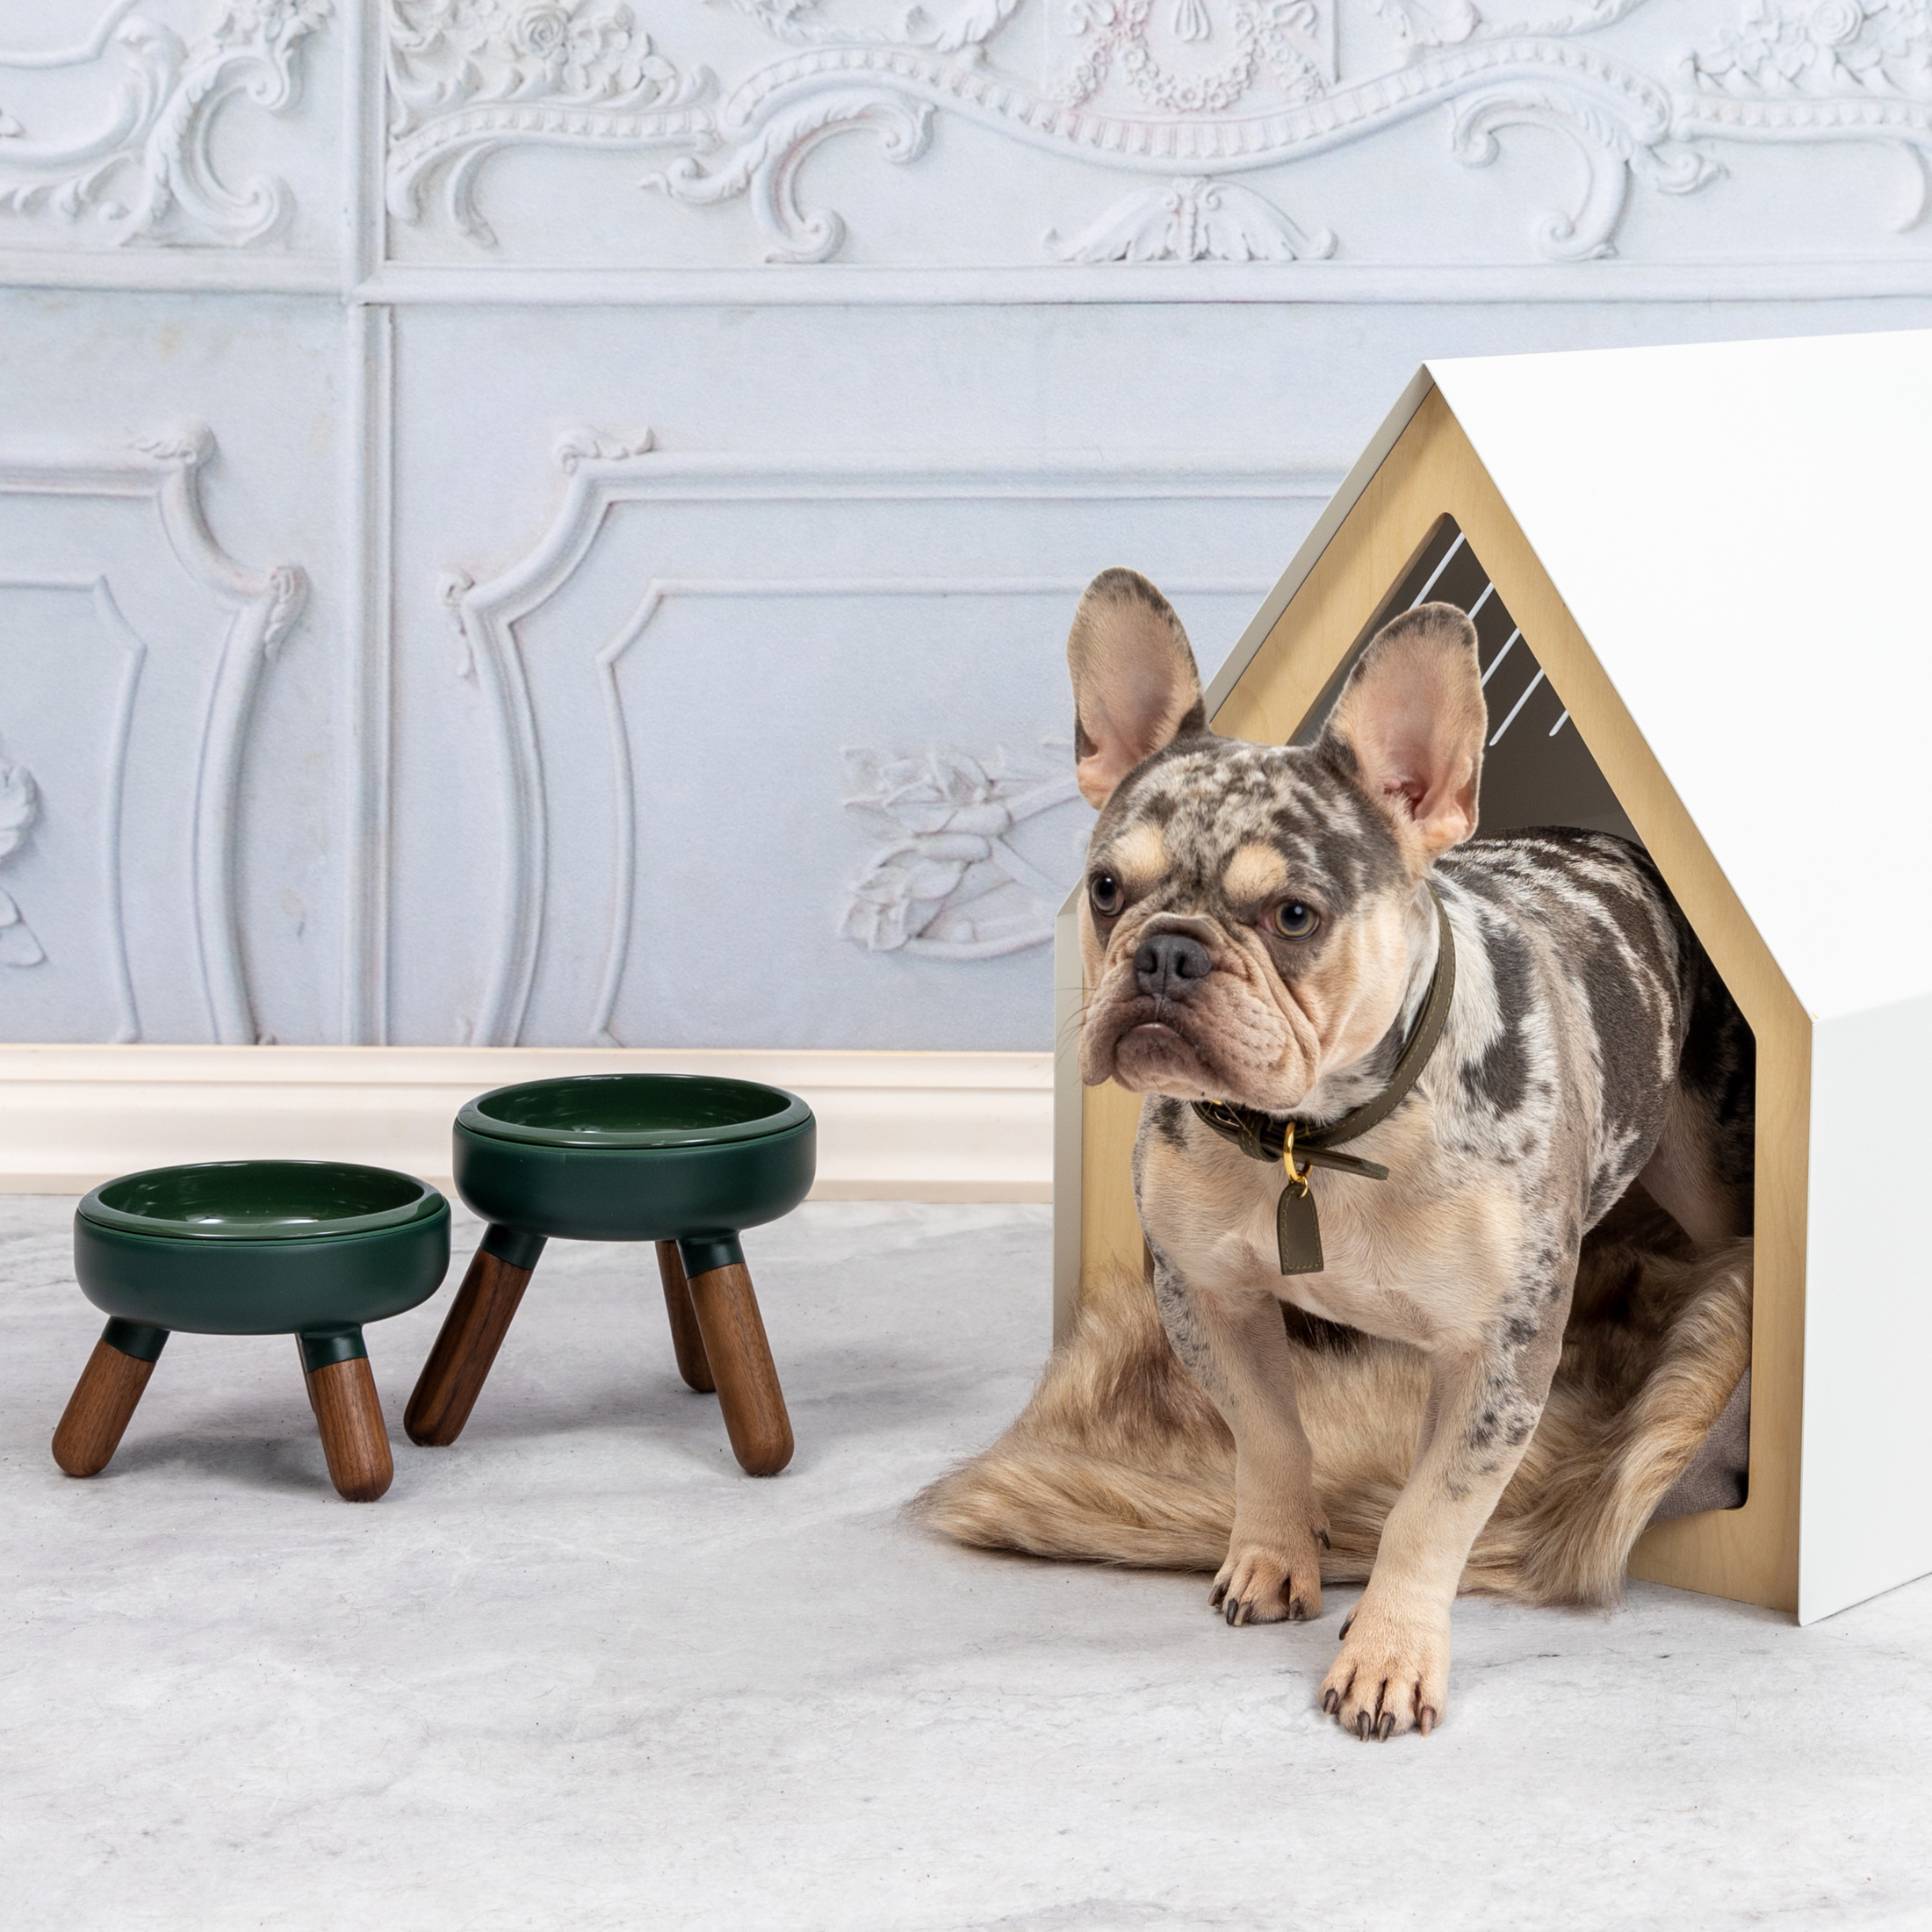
x=425, y=1205
x=791, y=1115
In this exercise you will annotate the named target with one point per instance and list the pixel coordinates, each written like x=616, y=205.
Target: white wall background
x=486, y=484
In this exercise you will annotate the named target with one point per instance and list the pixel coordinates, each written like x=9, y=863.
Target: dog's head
x=1247, y=906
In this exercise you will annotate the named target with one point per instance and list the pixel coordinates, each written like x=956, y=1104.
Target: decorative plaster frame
x=603, y=473
x=166, y=472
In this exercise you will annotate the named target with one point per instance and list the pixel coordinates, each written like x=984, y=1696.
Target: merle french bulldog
x=1262, y=930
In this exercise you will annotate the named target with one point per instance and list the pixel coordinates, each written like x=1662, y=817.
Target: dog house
x=1695, y=577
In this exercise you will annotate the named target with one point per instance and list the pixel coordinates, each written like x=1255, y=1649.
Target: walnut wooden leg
x=105, y=1399
x=685, y=1337
x=349, y=1418
x=472, y=1331
x=740, y=1359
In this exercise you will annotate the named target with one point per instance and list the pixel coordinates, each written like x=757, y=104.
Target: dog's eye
x=1293, y=920
x=1105, y=891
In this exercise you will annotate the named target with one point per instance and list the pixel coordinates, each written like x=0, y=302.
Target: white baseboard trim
x=891, y=1125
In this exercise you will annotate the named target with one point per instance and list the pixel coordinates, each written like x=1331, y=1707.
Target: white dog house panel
x=1695, y=576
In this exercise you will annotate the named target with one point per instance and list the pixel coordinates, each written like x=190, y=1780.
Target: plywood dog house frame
x=1717, y=555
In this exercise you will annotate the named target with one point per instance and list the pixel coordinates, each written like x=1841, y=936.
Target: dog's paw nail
x=1426, y=1719
x=1348, y=1624
x=1234, y=1609
x=1331, y=1702
x=1298, y=1611
x=1323, y=1535
x=1214, y=1601
x=1386, y=1729
x=1361, y=1725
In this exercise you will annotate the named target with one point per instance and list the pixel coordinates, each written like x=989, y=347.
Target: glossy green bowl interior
x=260, y=1201
x=634, y=1110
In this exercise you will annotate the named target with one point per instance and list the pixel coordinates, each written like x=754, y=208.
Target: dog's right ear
x=1136, y=688
x=1410, y=723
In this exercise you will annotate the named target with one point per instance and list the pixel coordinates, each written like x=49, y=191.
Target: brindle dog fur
x=1258, y=930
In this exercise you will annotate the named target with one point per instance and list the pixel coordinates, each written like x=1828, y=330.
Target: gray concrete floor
x=577, y=1672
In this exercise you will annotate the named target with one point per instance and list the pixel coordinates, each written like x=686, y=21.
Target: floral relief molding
x=470, y=78
x=944, y=880
x=19, y=806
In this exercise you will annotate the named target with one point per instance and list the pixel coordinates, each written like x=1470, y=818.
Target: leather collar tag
x=1298, y=1230
x=1297, y=1225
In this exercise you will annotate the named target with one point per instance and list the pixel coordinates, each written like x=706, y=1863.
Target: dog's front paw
x=1392, y=1676
x=1263, y=1582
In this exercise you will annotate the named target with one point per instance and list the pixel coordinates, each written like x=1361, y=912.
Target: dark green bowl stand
x=684, y=1163
x=312, y=1248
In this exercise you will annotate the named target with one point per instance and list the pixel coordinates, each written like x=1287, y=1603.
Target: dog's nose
x=1171, y=965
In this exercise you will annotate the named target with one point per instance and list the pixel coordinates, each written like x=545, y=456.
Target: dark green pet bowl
x=260, y=1247
x=312, y=1249
x=685, y=1163
x=635, y=1156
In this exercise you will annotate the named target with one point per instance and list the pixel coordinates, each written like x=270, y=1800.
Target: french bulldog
x=1261, y=931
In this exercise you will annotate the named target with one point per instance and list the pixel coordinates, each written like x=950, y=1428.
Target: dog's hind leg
x=1701, y=1172
x=1568, y=1542
x=1236, y=1347
x=1693, y=1175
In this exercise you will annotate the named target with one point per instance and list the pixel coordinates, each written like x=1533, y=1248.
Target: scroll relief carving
x=944, y=880
x=142, y=166
x=1190, y=93
x=19, y=806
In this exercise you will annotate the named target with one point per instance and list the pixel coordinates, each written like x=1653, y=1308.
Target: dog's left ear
x=1136, y=688
x=1412, y=720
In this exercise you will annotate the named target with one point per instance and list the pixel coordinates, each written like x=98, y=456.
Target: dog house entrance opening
x=1537, y=771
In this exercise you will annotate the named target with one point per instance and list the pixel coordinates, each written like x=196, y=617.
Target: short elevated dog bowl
x=312, y=1249
x=685, y=1162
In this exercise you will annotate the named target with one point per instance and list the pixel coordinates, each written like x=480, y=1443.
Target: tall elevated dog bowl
x=685, y=1163
x=312, y=1249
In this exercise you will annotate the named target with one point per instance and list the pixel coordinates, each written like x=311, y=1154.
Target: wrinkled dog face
x=1244, y=928
x=1245, y=908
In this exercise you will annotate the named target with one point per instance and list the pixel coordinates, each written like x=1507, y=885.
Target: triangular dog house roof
x=1741, y=532
x=1717, y=555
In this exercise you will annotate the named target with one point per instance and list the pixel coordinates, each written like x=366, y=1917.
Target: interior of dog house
x=1691, y=572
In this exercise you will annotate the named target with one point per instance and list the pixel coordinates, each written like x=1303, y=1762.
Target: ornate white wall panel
x=680, y=890
x=668, y=658
x=135, y=645
x=755, y=738
x=237, y=738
